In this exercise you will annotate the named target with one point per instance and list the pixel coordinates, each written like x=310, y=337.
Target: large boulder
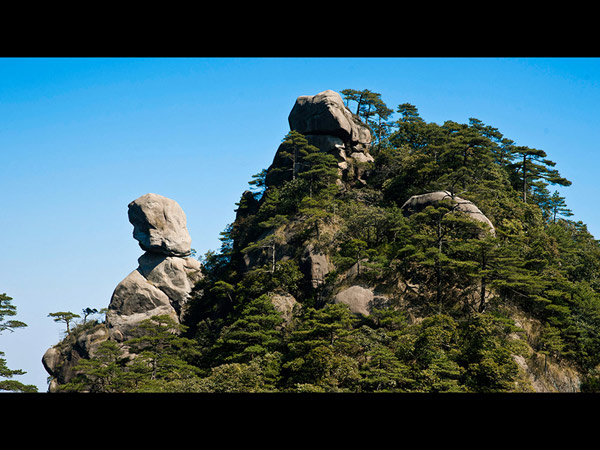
x=162, y=284
x=285, y=305
x=174, y=276
x=134, y=300
x=159, y=225
x=330, y=126
x=316, y=265
x=420, y=202
x=360, y=300
x=61, y=360
x=326, y=114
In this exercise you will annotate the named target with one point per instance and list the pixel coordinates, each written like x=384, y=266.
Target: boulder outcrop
x=315, y=265
x=159, y=225
x=331, y=127
x=360, y=300
x=420, y=202
x=326, y=114
x=165, y=277
x=161, y=285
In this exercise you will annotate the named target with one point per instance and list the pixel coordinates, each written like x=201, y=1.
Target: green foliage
x=64, y=316
x=163, y=362
x=105, y=372
x=8, y=309
x=7, y=384
x=256, y=332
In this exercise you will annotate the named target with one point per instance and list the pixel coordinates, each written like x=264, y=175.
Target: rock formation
x=164, y=279
x=420, y=202
x=325, y=114
x=360, y=299
x=161, y=285
x=159, y=225
x=330, y=126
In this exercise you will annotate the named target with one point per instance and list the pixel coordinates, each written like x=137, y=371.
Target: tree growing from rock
x=64, y=316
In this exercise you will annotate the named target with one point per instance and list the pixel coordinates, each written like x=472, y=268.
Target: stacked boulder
x=325, y=114
x=331, y=127
x=165, y=277
x=161, y=285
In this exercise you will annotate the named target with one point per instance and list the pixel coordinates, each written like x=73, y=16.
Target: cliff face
x=334, y=268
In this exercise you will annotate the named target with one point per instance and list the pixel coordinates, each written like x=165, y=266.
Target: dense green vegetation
x=453, y=289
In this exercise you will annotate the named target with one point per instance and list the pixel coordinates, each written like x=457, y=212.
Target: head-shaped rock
x=159, y=225
x=325, y=114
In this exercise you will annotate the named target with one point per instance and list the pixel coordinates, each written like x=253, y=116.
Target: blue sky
x=82, y=137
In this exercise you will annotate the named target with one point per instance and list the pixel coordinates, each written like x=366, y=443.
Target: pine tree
x=557, y=206
x=258, y=184
x=355, y=96
x=272, y=240
x=162, y=355
x=64, y=316
x=436, y=354
x=319, y=170
x=441, y=238
x=315, y=352
x=319, y=175
x=532, y=165
x=290, y=154
x=104, y=372
x=384, y=372
x=487, y=354
x=8, y=309
x=256, y=332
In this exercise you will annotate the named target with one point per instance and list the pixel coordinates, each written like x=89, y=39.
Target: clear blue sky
x=82, y=137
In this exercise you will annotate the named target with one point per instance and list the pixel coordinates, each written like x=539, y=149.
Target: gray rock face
x=325, y=113
x=357, y=298
x=174, y=276
x=316, y=265
x=285, y=304
x=60, y=361
x=159, y=225
x=51, y=359
x=419, y=202
x=133, y=300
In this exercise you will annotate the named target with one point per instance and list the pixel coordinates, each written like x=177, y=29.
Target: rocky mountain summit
x=310, y=241
x=329, y=125
x=161, y=284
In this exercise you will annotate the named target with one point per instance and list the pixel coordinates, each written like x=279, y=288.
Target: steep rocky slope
x=328, y=125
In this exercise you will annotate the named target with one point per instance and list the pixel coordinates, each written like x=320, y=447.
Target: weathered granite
x=420, y=202
x=325, y=113
x=159, y=225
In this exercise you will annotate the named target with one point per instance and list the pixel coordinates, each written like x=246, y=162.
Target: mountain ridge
x=330, y=280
